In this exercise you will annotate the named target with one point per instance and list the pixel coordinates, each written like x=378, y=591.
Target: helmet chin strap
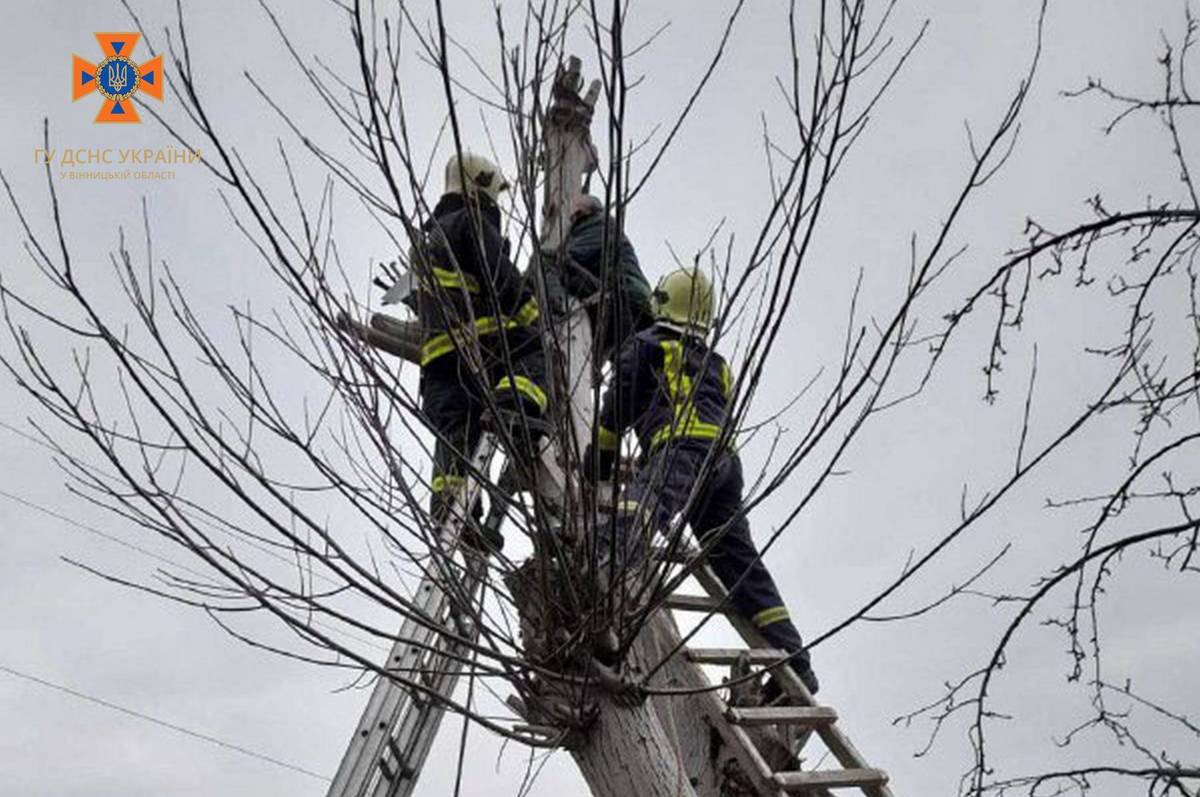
x=683, y=329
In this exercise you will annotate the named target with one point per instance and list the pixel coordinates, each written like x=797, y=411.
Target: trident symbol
x=118, y=76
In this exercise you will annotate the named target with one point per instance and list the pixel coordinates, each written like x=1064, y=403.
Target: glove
x=598, y=464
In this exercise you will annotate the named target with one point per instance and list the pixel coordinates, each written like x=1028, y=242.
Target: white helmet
x=478, y=173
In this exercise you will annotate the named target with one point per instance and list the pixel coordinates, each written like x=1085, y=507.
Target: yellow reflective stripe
x=435, y=347
x=628, y=507
x=679, y=385
x=679, y=388
x=685, y=423
x=526, y=387
x=607, y=439
x=443, y=343
x=452, y=278
x=693, y=430
x=526, y=314
x=768, y=616
x=487, y=325
x=443, y=482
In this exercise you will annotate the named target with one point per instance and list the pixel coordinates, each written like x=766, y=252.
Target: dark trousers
x=454, y=399
x=660, y=490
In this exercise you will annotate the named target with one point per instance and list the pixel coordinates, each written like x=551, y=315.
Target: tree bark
x=670, y=745
x=628, y=752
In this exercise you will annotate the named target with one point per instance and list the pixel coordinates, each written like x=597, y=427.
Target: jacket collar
x=587, y=221
x=452, y=202
x=680, y=330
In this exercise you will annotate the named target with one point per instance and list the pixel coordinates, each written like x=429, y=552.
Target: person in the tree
x=602, y=265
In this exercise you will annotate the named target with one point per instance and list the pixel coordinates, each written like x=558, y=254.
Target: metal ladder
x=398, y=725
x=392, y=741
x=802, y=712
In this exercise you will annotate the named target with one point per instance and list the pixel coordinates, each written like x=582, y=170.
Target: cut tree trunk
x=668, y=745
x=628, y=752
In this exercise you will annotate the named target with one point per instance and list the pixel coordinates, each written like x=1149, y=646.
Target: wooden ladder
x=802, y=713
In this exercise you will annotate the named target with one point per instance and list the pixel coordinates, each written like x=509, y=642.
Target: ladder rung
x=401, y=767
x=807, y=716
x=679, y=555
x=830, y=779
x=734, y=655
x=697, y=603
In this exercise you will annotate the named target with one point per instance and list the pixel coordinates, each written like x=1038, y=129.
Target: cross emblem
x=117, y=78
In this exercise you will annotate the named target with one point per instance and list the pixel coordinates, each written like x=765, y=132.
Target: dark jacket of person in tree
x=600, y=263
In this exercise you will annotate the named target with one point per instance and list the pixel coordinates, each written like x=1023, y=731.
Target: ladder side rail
x=388, y=699
x=387, y=702
x=833, y=737
x=417, y=731
x=401, y=723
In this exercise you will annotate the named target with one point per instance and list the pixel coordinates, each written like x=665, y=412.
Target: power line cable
x=28, y=436
x=193, y=517
x=163, y=723
x=171, y=562
x=102, y=534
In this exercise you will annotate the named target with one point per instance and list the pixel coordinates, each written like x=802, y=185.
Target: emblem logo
x=117, y=78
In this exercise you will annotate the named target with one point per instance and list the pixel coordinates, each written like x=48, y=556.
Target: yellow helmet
x=685, y=297
x=478, y=173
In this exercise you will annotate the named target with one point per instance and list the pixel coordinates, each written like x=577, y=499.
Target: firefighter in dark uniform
x=482, y=348
x=675, y=392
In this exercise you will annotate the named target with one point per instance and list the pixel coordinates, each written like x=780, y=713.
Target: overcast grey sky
x=60, y=624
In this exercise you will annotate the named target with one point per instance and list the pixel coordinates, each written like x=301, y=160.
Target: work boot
x=486, y=536
x=809, y=679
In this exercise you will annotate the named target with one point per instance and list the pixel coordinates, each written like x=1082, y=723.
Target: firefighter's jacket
x=585, y=247
x=667, y=386
x=468, y=287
